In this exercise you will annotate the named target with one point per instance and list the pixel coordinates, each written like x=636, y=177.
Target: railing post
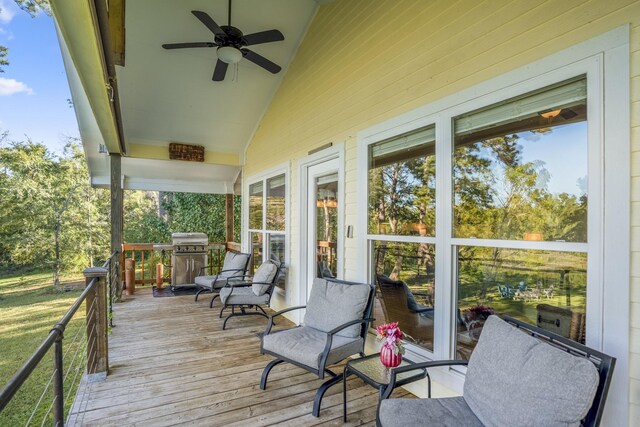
x=58, y=382
x=96, y=305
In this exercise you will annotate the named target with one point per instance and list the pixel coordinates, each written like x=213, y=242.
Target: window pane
x=520, y=168
x=402, y=185
x=405, y=286
x=256, y=251
x=546, y=288
x=327, y=225
x=275, y=203
x=255, y=205
x=277, y=251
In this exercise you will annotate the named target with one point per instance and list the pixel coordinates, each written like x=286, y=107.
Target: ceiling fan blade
x=263, y=37
x=209, y=22
x=220, y=71
x=261, y=61
x=186, y=45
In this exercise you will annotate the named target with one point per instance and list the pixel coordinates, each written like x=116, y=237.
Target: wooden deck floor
x=171, y=364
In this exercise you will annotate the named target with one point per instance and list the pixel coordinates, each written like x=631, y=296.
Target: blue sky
x=33, y=87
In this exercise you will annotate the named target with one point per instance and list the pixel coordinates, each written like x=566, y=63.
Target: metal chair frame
x=322, y=369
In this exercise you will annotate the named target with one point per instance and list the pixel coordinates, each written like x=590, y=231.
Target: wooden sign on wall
x=192, y=153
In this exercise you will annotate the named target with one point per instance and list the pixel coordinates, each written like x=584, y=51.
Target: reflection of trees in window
x=275, y=203
x=402, y=185
x=255, y=205
x=501, y=187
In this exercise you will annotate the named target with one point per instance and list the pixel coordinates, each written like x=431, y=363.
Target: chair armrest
x=240, y=278
x=270, y=323
x=432, y=364
x=331, y=333
x=422, y=365
x=346, y=325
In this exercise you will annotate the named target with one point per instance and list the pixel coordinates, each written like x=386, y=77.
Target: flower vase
x=388, y=359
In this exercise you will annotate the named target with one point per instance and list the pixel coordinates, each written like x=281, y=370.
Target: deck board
x=171, y=364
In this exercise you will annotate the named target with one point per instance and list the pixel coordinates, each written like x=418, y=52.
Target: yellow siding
x=366, y=61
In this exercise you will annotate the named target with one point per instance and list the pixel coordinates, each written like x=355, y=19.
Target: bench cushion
x=516, y=379
x=446, y=412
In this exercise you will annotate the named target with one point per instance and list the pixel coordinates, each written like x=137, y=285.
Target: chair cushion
x=446, y=412
x=305, y=345
x=242, y=295
x=265, y=274
x=333, y=304
x=236, y=262
x=210, y=282
x=516, y=379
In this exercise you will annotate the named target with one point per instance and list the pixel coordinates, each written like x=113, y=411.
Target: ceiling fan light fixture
x=229, y=54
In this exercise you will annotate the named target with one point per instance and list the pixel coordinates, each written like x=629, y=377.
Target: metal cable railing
x=83, y=352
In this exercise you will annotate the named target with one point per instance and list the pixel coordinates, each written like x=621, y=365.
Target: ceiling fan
x=231, y=45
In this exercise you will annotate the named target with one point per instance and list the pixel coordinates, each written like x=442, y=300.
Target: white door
x=324, y=221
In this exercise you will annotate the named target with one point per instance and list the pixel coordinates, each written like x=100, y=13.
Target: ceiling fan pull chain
x=235, y=72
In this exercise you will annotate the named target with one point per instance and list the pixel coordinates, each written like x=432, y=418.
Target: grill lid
x=189, y=239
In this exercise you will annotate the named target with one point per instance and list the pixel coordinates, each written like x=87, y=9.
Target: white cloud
x=11, y=86
x=7, y=12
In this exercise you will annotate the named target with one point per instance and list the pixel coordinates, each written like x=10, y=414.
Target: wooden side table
x=374, y=373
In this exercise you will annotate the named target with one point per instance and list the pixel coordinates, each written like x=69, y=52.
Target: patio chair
x=518, y=374
x=399, y=304
x=235, y=264
x=335, y=326
x=252, y=292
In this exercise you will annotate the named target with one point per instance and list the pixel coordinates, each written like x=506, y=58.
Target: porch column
x=116, y=213
x=229, y=217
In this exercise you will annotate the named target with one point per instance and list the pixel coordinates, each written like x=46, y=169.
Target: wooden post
x=116, y=211
x=229, y=217
x=96, y=306
x=130, y=275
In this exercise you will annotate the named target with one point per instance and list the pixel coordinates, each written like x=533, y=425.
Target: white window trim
x=283, y=168
x=605, y=60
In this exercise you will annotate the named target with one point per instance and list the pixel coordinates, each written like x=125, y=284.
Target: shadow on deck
x=171, y=364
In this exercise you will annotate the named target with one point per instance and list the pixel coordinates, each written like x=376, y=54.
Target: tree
x=191, y=212
x=46, y=207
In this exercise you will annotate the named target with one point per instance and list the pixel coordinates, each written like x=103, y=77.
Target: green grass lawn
x=29, y=307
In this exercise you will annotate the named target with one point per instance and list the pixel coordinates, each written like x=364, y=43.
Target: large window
x=401, y=196
x=512, y=234
x=520, y=174
x=267, y=220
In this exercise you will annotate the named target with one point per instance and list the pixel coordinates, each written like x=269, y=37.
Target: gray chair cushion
x=235, y=261
x=214, y=282
x=305, y=345
x=265, y=274
x=514, y=379
x=210, y=282
x=242, y=295
x=333, y=304
x=447, y=412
